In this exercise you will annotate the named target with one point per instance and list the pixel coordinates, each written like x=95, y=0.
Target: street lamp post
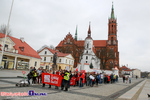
x=1, y=57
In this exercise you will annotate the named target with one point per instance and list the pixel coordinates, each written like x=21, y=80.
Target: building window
x=21, y=48
x=87, y=52
x=69, y=62
x=59, y=67
x=86, y=61
x=87, y=45
x=59, y=60
x=45, y=52
x=86, y=57
x=6, y=46
x=111, y=40
x=66, y=61
x=35, y=64
x=72, y=62
x=51, y=58
x=44, y=58
x=68, y=41
x=112, y=27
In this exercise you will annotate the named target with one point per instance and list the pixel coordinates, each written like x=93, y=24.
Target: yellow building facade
x=63, y=60
x=17, y=54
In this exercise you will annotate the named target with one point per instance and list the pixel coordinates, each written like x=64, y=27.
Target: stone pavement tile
x=104, y=90
x=146, y=90
x=132, y=92
x=68, y=96
x=12, y=73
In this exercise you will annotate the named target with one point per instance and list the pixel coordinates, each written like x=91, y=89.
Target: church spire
x=89, y=31
x=76, y=34
x=112, y=12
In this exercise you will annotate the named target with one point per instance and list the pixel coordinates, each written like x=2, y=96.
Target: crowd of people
x=81, y=79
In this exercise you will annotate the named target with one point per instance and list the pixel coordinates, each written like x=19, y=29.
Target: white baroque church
x=89, y=60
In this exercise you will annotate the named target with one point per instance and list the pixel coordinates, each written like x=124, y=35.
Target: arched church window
x=86, y=57
x=87, y=52
x=68, y=51
x=87, y=45
x=68, y=40
x=111, y=40
x=112, y=27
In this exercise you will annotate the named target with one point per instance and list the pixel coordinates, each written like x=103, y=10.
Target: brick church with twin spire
x=105, y=50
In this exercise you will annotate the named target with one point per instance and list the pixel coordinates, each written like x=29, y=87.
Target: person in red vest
x=108, y=78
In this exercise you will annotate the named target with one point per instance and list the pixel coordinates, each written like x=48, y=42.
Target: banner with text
x=51, y=79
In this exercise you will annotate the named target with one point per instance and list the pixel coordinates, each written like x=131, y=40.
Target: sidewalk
x=11, y=73
x=139, y=92
x=10, y=77
x=146, y=90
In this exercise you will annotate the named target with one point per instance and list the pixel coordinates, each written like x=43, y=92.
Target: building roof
x=28, y=51
x=96, y=43
x=124, y=68
x=59, y=54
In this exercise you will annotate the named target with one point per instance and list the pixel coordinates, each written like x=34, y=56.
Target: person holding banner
x=70, y=76
x=81, y=80
x=50, y=72
x=57, y=73
x=62, y=82
x=43, y=71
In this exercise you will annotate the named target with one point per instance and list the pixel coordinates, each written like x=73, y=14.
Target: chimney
x=22, y=39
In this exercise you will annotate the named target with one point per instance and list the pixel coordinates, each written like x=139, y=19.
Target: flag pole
x=6, y=32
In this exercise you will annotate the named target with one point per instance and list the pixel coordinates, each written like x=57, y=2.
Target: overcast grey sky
x=47, y=22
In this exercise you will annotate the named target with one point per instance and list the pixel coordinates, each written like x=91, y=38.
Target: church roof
x=28, y=51
x=96, y=43
x=99, y=43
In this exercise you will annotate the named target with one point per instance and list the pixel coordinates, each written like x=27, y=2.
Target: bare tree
x=42, y=48
x=106, y=55
x=3, y=29
x=52, y=47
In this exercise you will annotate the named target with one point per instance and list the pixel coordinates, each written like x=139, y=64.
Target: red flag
x=76, y=69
